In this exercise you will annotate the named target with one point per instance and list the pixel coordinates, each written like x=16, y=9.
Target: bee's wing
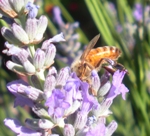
x=89, y=47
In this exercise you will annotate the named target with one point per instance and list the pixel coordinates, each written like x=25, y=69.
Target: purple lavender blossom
x=56, y=104
x=117, y=86
x=138, y=12
x=57, y=16
x=88, y=100
x=60, y=99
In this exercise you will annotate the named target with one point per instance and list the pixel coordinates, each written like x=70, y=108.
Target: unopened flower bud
x=102, y=109
x=41, y=27
x=95, y=81
x=104, y=89
x=11, y=49
x=31, y=28
x=69, y=130
x=52, y=71
x=50, y=55
x=9, y=36
x=15, y=68
x=31, y=93
x=49, y=85
x=6, y=9
x=20, y=34
x=80, y=120
x=62, y=77
x=28, y=66
x=39, y=59
x=111, y=128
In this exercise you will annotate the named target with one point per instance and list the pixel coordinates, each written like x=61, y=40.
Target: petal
x=42, y=25
x=123, y=89
x=88, y=100
x=13, y=124
x=31, y=28
x=116, y=83
x=63, y=76
x=6, y=8
x=20, y=34
x=50, y=55
x=57, y=38
x=9, y=36
x=39, y=59
x=18, y=5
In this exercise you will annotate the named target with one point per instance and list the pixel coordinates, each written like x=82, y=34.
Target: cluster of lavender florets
x=59, y=98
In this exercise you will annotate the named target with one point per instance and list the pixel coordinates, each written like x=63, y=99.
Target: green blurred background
x=114, y=20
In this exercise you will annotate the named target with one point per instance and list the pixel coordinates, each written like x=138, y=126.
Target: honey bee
x=93, y=58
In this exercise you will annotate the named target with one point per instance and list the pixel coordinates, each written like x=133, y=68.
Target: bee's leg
x=105, y=61
x=114, y=64
x=98, y=67
x=89, y=65
x=87, y=68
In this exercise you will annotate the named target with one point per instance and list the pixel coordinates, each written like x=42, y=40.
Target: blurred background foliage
x=119, y=25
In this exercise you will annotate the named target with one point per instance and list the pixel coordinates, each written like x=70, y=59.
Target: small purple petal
x=57, y=38
x=33, y=10
x=116, y=88
x=123, y=90
x=88, y=100
x=56, y=104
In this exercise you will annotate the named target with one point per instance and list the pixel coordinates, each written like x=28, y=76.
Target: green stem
x=32, y=50
x=41, y=77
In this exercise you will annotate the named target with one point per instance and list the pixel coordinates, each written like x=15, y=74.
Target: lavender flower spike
x=138, y=12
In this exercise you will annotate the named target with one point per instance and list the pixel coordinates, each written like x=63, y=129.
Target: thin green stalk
x=125, y=7
x=100, y=10
x=97, y=20
x=120, y=13
x=32, y=50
